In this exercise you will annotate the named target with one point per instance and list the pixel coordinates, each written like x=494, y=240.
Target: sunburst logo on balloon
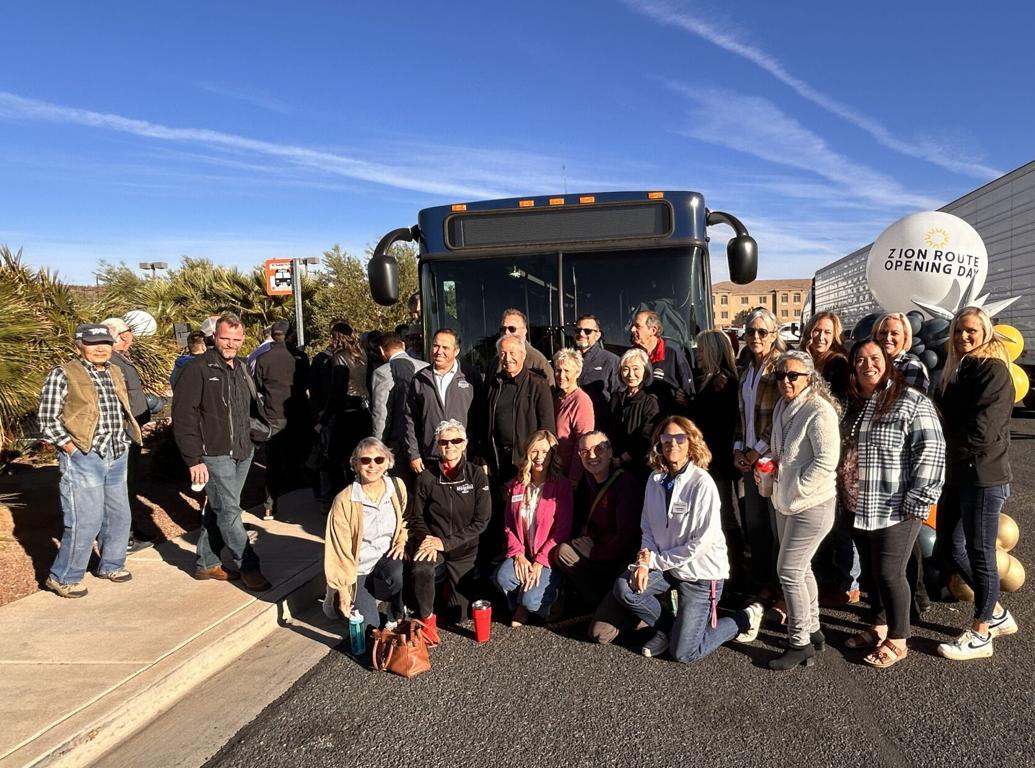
x=936, y=237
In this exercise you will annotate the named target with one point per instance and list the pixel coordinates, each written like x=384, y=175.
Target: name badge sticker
x=516, y=498
x=679, y=508
x=462, y=385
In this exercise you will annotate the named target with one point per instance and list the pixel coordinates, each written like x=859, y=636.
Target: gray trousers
x=800, y=536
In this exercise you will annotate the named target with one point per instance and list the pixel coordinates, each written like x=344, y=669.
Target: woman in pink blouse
x=537, y=518
x=574, y=411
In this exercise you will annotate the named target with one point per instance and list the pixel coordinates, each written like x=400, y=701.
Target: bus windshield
x=553, y=289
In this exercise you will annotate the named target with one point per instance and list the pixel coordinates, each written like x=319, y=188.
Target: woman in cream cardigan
x=365, y=539
x=806, y=447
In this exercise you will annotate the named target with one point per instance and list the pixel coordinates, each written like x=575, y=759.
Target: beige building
x=784, y=298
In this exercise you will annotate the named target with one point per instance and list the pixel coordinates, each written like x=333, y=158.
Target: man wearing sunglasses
x=671, y=369
x=514, y=323
x=599, y=377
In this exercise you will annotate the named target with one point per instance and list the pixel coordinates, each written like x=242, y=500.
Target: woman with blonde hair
x=573, y=411
x=893, y=332
x=759, y=395
x=975, y=396
x=365, y=539
x=682, y=547
x=536, y=519
x=822, y=339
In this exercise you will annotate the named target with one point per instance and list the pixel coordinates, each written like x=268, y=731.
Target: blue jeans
x=538, y=599
x=691, y=635
x=384, y=583
x=221, y=519
x=95, y=504
x=969, y=516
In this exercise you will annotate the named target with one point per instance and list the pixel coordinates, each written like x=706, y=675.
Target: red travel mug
x=481, y=612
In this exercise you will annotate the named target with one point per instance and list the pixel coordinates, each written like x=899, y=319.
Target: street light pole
x=296, y=290
x=153, y=265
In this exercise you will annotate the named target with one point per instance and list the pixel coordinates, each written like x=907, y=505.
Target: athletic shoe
x=656, y=646
x=1002, y=625
x=65, y=590
x=969, y=645
x=119, y=575
x=755, y=612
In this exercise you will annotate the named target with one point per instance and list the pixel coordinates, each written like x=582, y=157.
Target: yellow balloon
x=1012, y=340
x=1020, y=382
x=1009, y=533
x=959, y=589
x=1014, y=578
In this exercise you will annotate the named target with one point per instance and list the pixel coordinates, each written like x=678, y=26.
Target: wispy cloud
x=936, y=152
x=772, y=135
x=247, y=96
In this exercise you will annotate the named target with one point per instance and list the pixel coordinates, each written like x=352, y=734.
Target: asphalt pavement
x=544, y=697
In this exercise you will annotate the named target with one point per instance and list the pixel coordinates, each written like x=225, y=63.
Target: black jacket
x=599, y=379
x=976, y=410
x=533, y=410
x=424, y=410
x=275, y=381
x=633, y=418
x=456, y=511
x=211, y=410
x=715, y=411
x=134, y=387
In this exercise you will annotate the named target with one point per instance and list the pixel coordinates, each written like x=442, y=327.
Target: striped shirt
x=111, y=429
x=913, y=371
x=901, y=460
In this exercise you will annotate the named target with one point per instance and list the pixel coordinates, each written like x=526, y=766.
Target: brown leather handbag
x=402, y=651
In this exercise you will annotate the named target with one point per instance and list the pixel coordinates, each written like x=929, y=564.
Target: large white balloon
x=931, y=257
x=142, y=323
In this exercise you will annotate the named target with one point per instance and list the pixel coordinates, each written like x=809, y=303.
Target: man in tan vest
x=85, y=413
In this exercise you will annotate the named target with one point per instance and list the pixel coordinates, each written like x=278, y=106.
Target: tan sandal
x=886, y=655
x=868, y=638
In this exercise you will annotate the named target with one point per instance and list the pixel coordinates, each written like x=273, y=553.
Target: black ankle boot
x=792, y=657
x=818, y=640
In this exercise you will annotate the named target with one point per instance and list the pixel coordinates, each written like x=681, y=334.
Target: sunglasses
x=791, y=376
x=598, y=448
x=365, y=460
x=586, y=331
x=509, y=329
x=452, y=441
x=759, y=332
x=678, y=439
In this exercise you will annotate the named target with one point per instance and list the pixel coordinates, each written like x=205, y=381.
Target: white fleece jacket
x=806, y=444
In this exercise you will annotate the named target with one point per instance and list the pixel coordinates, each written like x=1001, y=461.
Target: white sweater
x=685, y=538
x=806, y=444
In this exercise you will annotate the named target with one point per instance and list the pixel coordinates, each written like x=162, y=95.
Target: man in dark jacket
x=599, y=377
x=673, y=379
x=281, y=387
x=439, y=392
x=389, y=386
x=211, y=423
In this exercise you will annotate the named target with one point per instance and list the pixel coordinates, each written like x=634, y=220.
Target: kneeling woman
x=450, y=508
x=365, y=539
x=683, y=548
x=537, y=518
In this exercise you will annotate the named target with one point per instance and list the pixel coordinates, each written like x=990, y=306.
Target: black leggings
x=883, y=555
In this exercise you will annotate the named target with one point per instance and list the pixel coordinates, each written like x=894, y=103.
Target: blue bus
x=610, y=254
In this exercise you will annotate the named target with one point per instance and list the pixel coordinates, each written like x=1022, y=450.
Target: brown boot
x=255, y=581
x=216, y=573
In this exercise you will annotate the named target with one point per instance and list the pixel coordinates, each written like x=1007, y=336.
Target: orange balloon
x=1012, y=339
x=1020, y=382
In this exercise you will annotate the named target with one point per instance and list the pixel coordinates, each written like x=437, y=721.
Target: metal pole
x=296, y=289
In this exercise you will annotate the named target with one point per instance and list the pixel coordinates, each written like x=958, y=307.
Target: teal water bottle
x=357, y=637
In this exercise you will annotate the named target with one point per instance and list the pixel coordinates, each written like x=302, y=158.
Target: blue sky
x=245, y=131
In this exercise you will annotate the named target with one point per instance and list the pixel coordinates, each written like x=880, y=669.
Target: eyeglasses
x=791, y=376
x=452, y=441
x=586, y=331
x=594, y=449
x=759, y=332
x=679, y=438
x=509, y=329
x=365, y=460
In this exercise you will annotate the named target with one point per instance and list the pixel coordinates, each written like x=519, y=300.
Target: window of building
x=763, y=300
x=724, y=299
x=783, y=297
x=724, y=315
x=797, y=297
x=743, y=299
x=784, y=313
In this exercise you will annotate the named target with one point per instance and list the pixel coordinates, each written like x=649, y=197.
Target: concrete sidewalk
x=78, y=676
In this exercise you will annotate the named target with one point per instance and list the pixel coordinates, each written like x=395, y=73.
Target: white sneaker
x=1002, y=625
x=755, y=612
x=330, y=610
x=969, y=645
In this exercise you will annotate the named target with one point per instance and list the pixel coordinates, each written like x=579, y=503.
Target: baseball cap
x=93, y=333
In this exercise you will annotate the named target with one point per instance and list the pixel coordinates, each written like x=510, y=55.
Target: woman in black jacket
x=635, y=412
x=975, y=396
x=449, y=508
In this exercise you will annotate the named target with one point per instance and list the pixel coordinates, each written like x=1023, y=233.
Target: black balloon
x=917, y=348
x=916, y=319
x=930, y=359
x=864, y=328
x=933, y=329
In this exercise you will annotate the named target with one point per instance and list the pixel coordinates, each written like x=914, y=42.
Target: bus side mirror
x=742, y=253
x=383, y=268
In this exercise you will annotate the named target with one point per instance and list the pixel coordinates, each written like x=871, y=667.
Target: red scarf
x=659, y=352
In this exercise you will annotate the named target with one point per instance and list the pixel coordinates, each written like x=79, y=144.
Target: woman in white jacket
x=806, y=447
x=683, y=548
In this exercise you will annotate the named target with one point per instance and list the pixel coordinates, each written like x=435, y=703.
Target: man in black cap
x=85, y=413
